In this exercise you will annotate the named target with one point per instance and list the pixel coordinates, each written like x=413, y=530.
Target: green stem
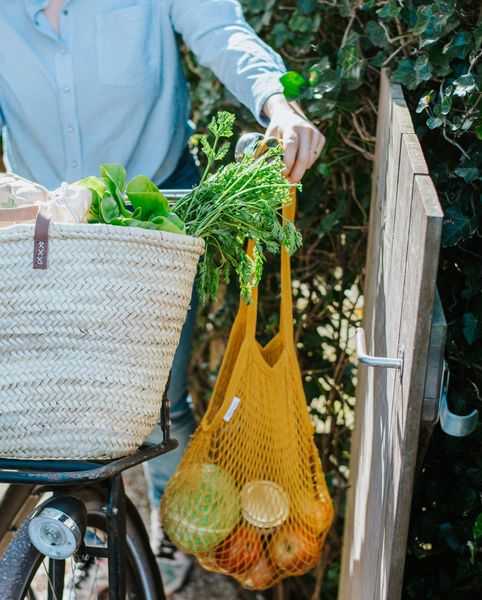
x=205, y=174
x=203, y=225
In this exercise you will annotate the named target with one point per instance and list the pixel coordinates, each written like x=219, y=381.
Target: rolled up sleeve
x=218, y=34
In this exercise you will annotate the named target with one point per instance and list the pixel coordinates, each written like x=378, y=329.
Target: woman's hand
x=302, y=142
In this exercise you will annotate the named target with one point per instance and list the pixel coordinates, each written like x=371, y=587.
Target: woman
x=85, y=82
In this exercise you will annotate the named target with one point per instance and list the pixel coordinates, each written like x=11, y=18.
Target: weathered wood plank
x=420, y=267
x=398, y=283
x=360, y=468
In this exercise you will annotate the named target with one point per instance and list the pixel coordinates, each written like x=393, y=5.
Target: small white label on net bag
x=232, y=407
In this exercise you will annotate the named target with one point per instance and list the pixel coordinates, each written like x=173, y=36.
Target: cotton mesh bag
x=249, y=498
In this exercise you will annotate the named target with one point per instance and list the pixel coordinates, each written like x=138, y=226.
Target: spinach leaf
x=144, y=195
x=109, y=208
x=164, y=223
x=114, y=178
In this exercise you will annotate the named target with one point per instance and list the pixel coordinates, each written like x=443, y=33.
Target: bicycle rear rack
x=71, y=472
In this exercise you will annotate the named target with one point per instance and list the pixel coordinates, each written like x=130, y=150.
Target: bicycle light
x=58, y=527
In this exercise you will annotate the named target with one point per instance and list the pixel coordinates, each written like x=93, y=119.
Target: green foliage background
x=336, y=48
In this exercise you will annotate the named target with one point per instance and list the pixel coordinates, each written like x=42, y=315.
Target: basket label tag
x=41, y=242
x=232, y=407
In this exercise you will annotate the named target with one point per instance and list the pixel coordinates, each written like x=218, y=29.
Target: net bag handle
x=286, y=305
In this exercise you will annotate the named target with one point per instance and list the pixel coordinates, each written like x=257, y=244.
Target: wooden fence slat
x=425, y=230
x=387, y=414
x=359, y=464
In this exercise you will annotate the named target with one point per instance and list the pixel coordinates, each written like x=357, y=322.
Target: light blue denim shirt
x=110, y=86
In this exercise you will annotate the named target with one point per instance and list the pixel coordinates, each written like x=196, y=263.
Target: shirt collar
x=35, y=6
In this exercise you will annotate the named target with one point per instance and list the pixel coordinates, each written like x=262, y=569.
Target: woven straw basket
x=86, y=345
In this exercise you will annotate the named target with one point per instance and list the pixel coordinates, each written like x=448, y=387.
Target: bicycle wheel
x=26, y=574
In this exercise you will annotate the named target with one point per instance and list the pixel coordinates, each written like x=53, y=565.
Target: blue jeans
x=160, y=469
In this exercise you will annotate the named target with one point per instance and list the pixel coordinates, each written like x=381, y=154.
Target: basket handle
x=41, y=230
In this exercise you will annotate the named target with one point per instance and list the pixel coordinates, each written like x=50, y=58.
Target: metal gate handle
x=374, y=361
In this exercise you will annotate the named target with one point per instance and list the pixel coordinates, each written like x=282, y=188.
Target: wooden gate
x=402, y=258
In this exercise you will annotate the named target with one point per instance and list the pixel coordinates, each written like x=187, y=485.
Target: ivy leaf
x=279, y=35
x=423, y=68
x=469, y=170
x=433, y=20
x=327, y=82
x=307, y=6
x=405, y=74
x=390, y=10
x=376, y=34
x=294, y=84
x=456, y=226
x=304, y=23
x=379, y=59
x=424, y=102
x=315, y=70
x=446, y=105
x=434, y=122
x=349, y=59
x=464, y=85
x=459, y=46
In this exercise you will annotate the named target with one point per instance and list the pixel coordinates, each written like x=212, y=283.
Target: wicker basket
x=86, y=345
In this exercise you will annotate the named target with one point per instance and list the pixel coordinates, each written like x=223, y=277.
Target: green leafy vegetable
x=109, y=196
x=238, y=202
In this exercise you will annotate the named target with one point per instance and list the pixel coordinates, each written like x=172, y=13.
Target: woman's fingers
x=317, y=144
x=304, y=155
x=302, y=141
x=290, y=150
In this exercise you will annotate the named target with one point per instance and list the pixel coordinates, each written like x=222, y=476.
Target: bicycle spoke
x=72, y=580
x=50, y=584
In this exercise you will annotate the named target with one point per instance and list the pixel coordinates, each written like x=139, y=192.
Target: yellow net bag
x=249, y=498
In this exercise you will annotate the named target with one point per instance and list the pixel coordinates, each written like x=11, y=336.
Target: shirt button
x=74, y=164
x=66, y=89
x=70, y=129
